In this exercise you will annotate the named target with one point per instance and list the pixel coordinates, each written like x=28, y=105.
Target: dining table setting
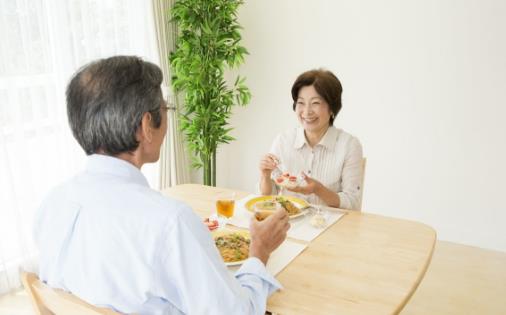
x=333, y=261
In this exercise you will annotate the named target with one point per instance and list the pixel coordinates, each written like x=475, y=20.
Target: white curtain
x=174, y=166
x=41, y=44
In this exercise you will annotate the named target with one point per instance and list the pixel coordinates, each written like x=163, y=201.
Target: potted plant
x=208, y=43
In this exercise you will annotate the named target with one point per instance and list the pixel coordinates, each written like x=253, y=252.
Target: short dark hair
x=325, y=83
x=106, y=100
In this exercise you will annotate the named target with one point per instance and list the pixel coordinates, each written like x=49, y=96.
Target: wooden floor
x=16, y=304
x=460, y=280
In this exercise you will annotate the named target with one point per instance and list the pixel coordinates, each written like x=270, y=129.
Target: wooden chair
x=364, y=162
x=48, y=301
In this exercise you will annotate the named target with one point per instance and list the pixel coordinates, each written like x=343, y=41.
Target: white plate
x=301, y=213
x=298, y=202
x=235, y=263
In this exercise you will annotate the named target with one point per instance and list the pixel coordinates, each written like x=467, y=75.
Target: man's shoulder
x=62, y=191
x=163, y=202
x=134, y=196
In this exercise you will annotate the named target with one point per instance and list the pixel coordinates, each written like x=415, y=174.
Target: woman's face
x=312, y=110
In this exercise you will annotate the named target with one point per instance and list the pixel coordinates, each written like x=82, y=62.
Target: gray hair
x=106, y=100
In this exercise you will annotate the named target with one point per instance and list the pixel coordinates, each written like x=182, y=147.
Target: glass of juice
x=225, y=203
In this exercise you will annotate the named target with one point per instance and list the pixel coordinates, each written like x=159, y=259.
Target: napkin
x=241, y=215
x=280, y=258
x=301, y=228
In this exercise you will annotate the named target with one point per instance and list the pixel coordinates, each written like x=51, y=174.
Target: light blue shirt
x=109, y=239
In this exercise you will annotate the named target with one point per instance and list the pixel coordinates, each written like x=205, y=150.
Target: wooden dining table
x=362, y=264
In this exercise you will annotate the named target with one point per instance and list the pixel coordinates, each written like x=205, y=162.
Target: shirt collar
x=98, y=163
x=328, y=140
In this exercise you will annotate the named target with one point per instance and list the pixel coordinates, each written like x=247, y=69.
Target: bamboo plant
x=208, y=43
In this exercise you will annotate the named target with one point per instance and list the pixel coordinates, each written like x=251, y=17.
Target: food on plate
x=288, y=206
x=287, y=180
x=211, y=224
x=233, y=246
x=263, y=209
x=292, y=205
x=266, y=205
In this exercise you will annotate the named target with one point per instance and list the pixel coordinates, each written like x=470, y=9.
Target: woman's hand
x=312, y=186
x=268, y=163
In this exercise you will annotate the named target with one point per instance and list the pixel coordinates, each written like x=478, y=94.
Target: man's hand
x=267, y=235
x=311, y=187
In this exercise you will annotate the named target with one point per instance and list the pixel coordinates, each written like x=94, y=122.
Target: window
x=43, y=44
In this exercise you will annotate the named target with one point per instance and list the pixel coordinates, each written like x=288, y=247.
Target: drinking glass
x=261, y=210
x=318, y=214
x=225, y=203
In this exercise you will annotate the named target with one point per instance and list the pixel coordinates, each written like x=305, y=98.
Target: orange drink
x=225, y=207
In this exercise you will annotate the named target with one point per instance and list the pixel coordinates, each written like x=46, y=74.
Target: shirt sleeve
x=352, y=175
x=194, y=278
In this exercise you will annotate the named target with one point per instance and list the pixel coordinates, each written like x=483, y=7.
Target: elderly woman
x=327, y=158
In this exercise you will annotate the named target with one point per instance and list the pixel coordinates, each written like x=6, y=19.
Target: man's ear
x=145, y=131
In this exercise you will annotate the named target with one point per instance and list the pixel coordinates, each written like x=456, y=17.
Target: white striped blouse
x=336, y=162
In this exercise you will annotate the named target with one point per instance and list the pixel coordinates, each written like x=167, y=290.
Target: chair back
x=364, y=162
x=48, y=301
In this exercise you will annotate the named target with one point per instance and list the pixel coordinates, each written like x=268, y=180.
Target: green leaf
x=208, y=44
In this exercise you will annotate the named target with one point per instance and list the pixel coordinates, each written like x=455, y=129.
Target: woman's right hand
x=268, y=163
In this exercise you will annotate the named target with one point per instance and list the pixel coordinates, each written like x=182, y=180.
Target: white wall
x=424, y=90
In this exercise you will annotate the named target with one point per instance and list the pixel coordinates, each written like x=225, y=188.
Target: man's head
x=115, y=105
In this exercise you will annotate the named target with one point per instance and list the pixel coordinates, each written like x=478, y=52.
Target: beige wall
x=424, y=90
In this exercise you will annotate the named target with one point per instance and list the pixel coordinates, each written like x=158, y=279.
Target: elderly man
x=108, y=238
